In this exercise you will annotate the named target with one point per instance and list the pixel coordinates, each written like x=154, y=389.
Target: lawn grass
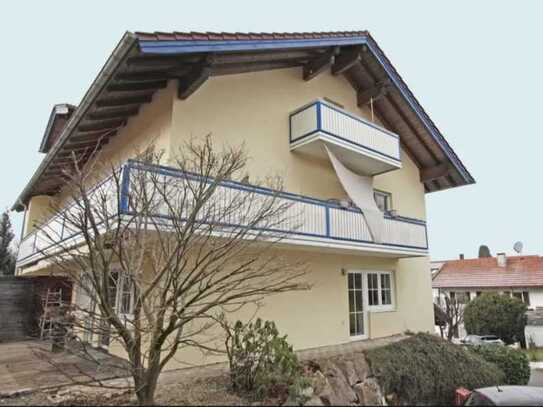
x=534, y=354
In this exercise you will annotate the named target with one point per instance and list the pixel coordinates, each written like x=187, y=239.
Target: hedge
x=425, y=369
x=514, y=363
x=495, y=314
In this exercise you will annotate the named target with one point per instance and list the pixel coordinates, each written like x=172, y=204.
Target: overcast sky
x=475, y=66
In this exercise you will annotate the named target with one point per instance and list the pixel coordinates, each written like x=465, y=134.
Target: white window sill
x=381, y=308
x=358, y=338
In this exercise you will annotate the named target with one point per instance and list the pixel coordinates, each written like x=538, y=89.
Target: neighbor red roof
x=520, y=271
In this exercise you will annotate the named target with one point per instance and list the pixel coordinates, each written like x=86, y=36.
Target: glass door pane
x=356, y=304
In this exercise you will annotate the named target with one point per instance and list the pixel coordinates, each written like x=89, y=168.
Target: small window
x=383, y=200
x=380, y=291
x=526, y=297
x=121, y=293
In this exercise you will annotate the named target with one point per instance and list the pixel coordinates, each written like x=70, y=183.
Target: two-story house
x=515, y=276
x=327, y=111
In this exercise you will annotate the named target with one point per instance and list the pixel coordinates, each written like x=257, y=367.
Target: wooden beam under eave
x=190, y=83
x=101, y=125
x=152, y=76
x=374, y=93
x=233, y=69
x=136, y=86
x=316, y=66
x=77, y=144
x=114, y=113
x=121, y=101
x=435, y=172
x=346, y=60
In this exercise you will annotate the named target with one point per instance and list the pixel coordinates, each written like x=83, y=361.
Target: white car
x=482, y=340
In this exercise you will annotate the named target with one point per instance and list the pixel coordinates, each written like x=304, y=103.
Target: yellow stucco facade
x=253, y=109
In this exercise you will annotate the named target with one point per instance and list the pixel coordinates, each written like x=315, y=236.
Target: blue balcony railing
x=370, y=148
x=311, y=221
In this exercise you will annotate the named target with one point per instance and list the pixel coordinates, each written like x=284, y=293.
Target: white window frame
x=381, y=307
x=367, y=309
x=365, y=335
x=388, y=199
x=118, y=295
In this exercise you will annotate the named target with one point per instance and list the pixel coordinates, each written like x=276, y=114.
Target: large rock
x=369, y=393
x=354, y=367
x=343, y=380
x=342, y=392
x=321, y=386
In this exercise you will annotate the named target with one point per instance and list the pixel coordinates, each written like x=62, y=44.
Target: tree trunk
x=146, y=393
x=450, y=332
x=145, y=390
x=146, y=397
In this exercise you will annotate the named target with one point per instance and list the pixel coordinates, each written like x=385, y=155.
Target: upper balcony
x=364, y=147
x=318, y=224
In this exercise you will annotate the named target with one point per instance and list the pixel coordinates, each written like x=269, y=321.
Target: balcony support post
x=327, y=220
x=125, y=185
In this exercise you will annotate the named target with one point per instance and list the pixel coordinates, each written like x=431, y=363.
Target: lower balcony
x=313, y=223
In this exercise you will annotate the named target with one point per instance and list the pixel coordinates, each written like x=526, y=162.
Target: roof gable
x=144, y=62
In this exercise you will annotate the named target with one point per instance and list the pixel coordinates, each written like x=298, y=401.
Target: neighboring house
x=517, y=276
x=435, y=266
x=286, y=96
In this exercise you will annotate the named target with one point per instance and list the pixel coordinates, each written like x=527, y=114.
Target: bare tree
x=452, y=315
x=159, y=256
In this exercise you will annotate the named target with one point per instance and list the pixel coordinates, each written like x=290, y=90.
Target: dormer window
x=383, y=200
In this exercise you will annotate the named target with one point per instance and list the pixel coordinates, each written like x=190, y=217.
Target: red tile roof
x=520, y=271
x=212, y=36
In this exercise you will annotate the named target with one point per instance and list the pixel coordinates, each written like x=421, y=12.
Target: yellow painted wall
x=37, y=211
x=319, y=316
x=151, y=127
x=253, y=109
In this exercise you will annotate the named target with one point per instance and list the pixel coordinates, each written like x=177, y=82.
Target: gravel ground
x=192, y=391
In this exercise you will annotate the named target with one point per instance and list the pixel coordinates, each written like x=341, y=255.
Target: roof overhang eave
x=171, y=47
x=117, y=56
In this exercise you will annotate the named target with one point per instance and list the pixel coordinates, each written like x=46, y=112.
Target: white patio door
x=358, y=305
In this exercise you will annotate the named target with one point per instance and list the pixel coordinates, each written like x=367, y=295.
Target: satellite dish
x=518, y=247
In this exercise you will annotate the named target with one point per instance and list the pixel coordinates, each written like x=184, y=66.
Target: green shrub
x=424, y=369
x=262, y=362
x=494, y=314
x=514, y=363
x=534, y=354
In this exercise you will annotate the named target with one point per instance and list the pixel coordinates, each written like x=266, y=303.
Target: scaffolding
x=52, y=306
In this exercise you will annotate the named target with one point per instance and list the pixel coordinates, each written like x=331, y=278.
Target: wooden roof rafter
x=142, y=63
x=387, y=96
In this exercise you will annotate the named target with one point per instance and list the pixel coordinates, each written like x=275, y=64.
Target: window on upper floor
x=383, y=200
